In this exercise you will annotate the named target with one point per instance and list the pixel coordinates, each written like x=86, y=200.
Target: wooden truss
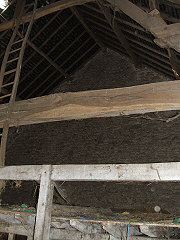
x=101, y=103
x=167, y=35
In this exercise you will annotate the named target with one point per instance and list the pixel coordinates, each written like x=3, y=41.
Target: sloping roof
x=63, y=41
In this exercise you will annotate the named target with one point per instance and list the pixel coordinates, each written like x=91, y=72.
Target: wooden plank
x=146, y=20
x=3, y=143
x=11, y=236
x=40, y=52
x=117, y=172
x=174, y=60
x=14, y=228
x=162, y=96
x=25, y=172
x=43, y=219
x=118, y=32
x=161, y=172
x=167, y=35
x=41, y=12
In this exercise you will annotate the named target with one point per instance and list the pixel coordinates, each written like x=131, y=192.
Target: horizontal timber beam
x=41, y=12
x=97, y=172
x=161, y=96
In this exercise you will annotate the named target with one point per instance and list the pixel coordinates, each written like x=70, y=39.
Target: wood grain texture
x=43, y=219
x=41, y=12
x=167, y=35
x=161, y=172
x=162, y=96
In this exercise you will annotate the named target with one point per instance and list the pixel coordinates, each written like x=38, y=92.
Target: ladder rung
x=11, y=71
x=5, y=96
x=20, y=40
x=7, y=84
x=12, y=60
x=18, y=49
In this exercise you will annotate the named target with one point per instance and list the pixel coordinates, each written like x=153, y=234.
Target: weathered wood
x=118, y=32
x=11, y=236
x=167, y=35
x=117, y=172
x=54, y=7
x=146, y=20
x=91, y=33
x=40, y=52
x=43, y=219
x=162, y=96
x=97, y=172
x=87, y=214
x=14, y=228
x=25, y=172
x=153, y=4
x=173, y=58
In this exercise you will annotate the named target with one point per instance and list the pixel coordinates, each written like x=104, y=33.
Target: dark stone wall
x=107, y=140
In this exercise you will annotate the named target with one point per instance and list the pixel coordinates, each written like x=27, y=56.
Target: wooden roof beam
x=56, y=66
x=41, y=12
x=80, y=18
x=162, y=96
x=167, y=36
x=118, y=32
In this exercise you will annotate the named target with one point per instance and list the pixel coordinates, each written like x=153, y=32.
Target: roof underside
x=67, y=44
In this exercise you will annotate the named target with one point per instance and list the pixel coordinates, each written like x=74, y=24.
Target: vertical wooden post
x=29, y=238
x=43, y=218
x=11, y=236
x=153, y=4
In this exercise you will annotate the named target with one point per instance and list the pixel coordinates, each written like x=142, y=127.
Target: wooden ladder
x=11, y=69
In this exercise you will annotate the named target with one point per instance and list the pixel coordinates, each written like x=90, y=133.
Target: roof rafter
x=41, y=12
x=118, y=32
x=167, y=36
x=58, y=68
x=80, y=18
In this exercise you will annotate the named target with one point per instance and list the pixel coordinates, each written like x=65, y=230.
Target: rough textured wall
x=109, y=70
x=106, y=140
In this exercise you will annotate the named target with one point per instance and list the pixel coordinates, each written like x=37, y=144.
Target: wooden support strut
x=167, y=36
x=43, y=219
x=118, y=32
x=80, y=18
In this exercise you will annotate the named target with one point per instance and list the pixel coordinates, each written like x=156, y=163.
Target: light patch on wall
x=3, y=3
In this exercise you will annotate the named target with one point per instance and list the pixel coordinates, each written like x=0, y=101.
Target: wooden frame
x=106, y=172
x=102, y=103
x=54, y=7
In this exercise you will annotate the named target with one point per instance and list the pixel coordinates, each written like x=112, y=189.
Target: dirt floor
x=135, y=139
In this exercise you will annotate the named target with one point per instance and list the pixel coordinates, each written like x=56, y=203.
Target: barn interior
x=89, y=119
